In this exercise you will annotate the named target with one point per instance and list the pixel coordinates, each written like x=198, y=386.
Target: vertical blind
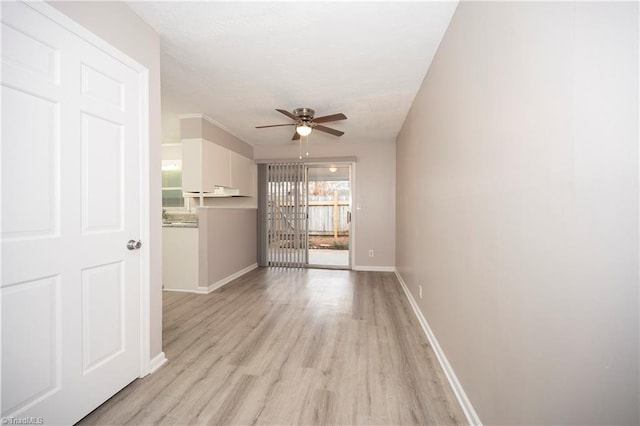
x=286, y=215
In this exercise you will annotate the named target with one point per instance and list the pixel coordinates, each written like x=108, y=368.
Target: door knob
x=134, y=245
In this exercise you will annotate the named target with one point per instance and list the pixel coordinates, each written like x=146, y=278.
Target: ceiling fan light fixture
x=304, y=129
x=305, y=122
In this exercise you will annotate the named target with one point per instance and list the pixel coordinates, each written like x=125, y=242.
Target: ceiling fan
x=305, y=122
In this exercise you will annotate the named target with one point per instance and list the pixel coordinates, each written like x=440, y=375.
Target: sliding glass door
x=286, y=215
x=329, y=215
x=307, y=215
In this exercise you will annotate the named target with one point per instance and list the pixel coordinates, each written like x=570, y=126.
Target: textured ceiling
x=238, y=61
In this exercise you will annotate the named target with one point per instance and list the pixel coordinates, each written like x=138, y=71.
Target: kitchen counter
x=179, y=224
x=179, y=219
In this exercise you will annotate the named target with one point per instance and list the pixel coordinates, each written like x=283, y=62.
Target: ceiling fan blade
x=295, y=137
x=276, y=125
x=332, y=117
x=329, y=130
x=288, y=114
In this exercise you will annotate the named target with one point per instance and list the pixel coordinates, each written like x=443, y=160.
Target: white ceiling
x=238, y=61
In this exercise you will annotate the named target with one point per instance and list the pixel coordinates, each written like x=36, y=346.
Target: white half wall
x=228, y=244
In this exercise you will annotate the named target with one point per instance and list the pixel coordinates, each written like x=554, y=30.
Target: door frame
x=144, y=167
x=352, y=173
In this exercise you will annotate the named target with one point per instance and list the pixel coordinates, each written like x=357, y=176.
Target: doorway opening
x=307, y=213
x=328, y=215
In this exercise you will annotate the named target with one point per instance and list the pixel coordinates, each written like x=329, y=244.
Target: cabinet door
x=241, y=173
x=215, y=166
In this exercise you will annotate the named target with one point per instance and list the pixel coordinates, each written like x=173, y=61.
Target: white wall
x=115, y=23
x=170, y=127
x=517, y=204
x=374, y=202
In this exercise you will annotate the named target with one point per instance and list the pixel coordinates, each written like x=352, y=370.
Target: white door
x=70, y=202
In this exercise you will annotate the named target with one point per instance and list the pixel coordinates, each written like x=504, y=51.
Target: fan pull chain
x=300, y=144
x=306, y=140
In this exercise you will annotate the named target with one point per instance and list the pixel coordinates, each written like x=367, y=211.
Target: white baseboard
x=220, y=283
x=217, y=284
x=157, y=362
x=375, y=268
x=467, y=408
x=179, y=290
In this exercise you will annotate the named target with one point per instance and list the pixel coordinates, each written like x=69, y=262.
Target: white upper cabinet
x=241, y=173
x=206, y=165
x=215, y=166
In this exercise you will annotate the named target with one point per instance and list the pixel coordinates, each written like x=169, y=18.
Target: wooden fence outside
x=326, y=217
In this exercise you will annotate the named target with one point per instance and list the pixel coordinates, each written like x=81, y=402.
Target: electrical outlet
x=370, y=253
x=420, y=291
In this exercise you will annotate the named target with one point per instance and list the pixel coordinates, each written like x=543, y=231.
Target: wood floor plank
x=284, y=346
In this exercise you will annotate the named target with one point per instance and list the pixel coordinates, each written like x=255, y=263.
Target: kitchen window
x=172, y=184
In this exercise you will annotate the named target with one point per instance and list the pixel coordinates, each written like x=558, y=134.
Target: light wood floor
x=289, y=346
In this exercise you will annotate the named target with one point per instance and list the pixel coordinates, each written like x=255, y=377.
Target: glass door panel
x=329, y=215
